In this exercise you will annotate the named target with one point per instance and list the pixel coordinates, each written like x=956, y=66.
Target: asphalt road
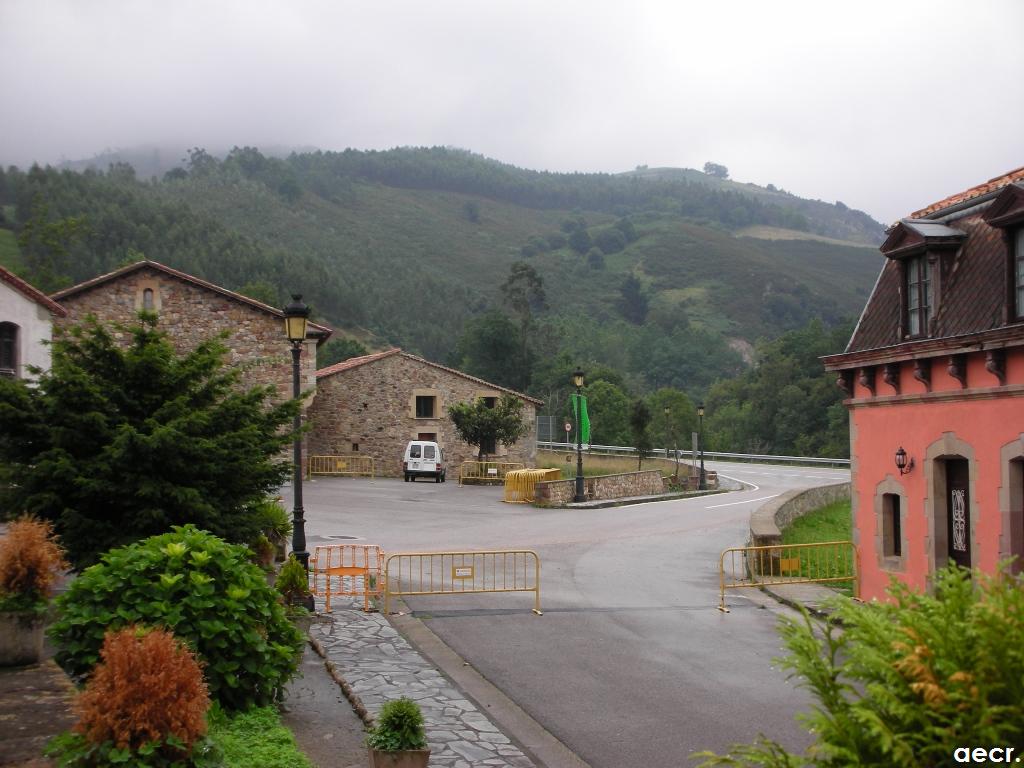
x=631, y=663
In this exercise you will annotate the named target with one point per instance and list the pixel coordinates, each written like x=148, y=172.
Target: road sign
x=568, y=427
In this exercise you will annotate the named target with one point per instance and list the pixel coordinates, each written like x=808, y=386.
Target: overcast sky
x=885, y=105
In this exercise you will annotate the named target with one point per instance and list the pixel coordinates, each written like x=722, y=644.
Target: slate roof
x=355, y=362
x=31, y=292
x=315, y=330
x=973, y=291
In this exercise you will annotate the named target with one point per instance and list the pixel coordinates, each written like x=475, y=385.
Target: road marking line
x=746, y=501
x=753, y=486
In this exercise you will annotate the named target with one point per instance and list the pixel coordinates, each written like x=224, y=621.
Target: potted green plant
x=263, y=549
x=30, y=563
x=275, y=524
x=293, y=584
x=398, y=740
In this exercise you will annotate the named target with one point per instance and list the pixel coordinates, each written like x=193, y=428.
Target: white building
x=26, y=320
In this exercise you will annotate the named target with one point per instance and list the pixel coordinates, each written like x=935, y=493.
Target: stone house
x=26, y=321
x=191, y=310
x=375, y=404
x=934, y=374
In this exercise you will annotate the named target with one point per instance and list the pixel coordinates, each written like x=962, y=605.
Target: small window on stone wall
x=355, y=447
x=148, y=302
x=892, y=526
x=425, y=406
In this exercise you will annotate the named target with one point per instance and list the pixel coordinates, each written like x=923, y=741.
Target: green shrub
x=273, y=519
x=906, y=683
x=399, y=727
x=292, y=582
x=202, y=589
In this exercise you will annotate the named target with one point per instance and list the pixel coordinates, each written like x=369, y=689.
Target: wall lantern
x=903, y=464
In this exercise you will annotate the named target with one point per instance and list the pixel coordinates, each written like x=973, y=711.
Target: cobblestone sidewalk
x=377, y=664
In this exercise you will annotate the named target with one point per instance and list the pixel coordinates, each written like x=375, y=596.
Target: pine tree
x=119, y=442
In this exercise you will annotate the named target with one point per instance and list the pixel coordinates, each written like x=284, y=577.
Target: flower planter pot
x=21, y=637
x=410, y=758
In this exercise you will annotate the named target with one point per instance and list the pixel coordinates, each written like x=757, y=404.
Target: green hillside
x=651, y=277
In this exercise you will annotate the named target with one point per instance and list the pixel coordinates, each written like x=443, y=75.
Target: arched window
x=147, y=299
x=8, y=350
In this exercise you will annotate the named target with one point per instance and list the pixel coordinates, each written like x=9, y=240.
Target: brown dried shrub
x=148, y=686
x=31, y=560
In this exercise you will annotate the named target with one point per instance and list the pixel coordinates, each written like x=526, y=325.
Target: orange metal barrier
x=348, y=570
x=458, y=573
x=822, y=562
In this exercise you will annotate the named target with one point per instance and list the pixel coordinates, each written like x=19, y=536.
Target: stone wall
x=190, y=313
x=558, y=492
x=767, y=522
x=370, y=410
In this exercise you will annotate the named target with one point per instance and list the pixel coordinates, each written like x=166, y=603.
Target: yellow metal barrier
x=822, y=562
x=351, y=570
x=340, y=465
x=486, y=471
x=520, y=483
x=462, y=573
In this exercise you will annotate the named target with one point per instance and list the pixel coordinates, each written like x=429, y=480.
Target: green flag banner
x=582, y=419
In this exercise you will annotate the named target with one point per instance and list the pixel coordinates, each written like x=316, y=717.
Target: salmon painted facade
x=934, y=374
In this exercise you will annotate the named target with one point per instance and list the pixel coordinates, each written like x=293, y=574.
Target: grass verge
x=256, y=739
x=830, y=523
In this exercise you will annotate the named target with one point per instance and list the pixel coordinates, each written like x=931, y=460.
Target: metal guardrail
x=340, y=465
x=688, y=455
x=486, y=471
x=819, y=562
x=462, y=573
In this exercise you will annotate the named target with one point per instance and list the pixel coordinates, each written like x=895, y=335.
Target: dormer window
x=1007, y=213
x=925, y=251
x=919, y=295
x=1019, y=271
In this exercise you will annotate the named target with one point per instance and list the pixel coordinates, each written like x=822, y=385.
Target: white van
x=423, y=459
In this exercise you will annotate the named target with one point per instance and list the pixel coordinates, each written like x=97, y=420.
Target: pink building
x=935, y=377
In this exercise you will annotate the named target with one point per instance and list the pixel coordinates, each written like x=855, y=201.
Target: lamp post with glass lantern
x=296, y=319
x=703, y=486
x=577, y=379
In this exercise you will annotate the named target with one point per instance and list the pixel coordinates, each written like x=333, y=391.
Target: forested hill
x=652, y=275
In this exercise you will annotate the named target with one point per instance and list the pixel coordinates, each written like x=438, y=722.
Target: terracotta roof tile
x=355, y=362
x=31, y=292
x=981, y=189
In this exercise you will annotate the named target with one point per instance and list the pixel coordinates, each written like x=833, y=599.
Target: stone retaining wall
x=558, y=492
x=767, y=522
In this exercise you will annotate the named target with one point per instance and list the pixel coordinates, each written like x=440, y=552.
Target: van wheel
x=437, y=478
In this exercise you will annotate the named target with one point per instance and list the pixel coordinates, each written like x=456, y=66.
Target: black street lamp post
x=296, y=318
x=703, y=486
x=577, y=379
